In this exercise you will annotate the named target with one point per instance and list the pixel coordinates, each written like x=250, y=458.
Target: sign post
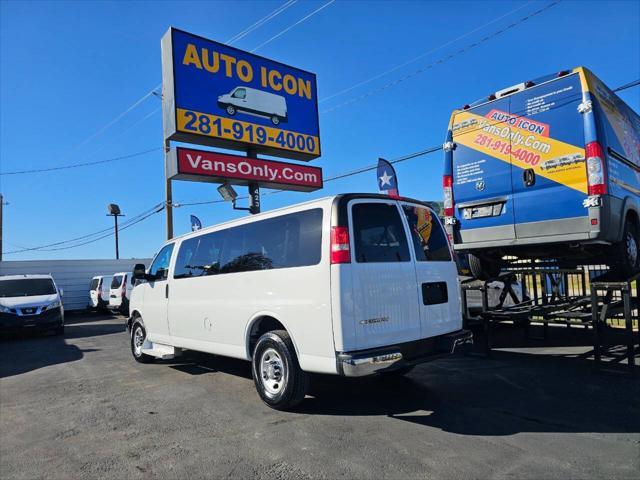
x=219, y=96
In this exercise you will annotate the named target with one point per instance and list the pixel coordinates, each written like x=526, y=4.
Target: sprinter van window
x=160, y=266
x=379, y=233
x=429, y=240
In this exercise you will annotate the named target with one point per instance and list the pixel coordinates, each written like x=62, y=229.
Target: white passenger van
x=352, y=285
x=253, y=101
x=99, y=291
x=120, y=292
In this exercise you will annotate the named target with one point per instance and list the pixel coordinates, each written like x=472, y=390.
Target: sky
x=69, y=70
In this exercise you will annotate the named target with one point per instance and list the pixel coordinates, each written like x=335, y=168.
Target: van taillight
x=124, y=287
x=340, y=250
x=595, y=169
x=447, y=183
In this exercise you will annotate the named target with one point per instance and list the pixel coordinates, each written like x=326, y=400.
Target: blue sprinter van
x=549, y=168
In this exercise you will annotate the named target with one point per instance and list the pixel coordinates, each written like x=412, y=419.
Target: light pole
x=114, y=211
x=2, y=204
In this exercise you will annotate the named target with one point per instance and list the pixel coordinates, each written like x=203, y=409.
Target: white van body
x=254, y=101
x=122, y=284
x=372, y=303
x=31, y=302
x=99, y=289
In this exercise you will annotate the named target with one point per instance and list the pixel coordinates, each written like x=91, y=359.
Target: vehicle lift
x=579, y=296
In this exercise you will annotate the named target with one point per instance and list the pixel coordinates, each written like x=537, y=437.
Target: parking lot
x=81, y=407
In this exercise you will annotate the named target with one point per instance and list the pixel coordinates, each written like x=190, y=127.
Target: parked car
x=99, y=289
x=30, y=302
x=351, y=285
x=545, y=169
x=120, y=292
x=256, y=102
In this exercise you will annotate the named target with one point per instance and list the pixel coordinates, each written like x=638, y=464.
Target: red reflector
x=340, y=249
x=594, y=221
x=593, y=149
x=599, y=189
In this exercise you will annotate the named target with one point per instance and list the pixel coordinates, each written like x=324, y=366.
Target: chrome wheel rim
x=138, y=341
x=632, y=249
x=272, y=371
x=231, y=110
x=275, y=120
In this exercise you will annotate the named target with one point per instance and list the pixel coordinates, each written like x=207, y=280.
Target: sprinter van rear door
x=549, y=177
x=481, y=172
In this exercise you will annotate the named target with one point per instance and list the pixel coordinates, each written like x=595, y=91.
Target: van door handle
x=166, y=291
x=529, y=177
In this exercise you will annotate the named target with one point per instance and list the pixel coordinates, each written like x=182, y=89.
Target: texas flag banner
x=387, y=179
x=196, y=224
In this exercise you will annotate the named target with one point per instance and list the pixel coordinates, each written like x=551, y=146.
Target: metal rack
x=584, y=296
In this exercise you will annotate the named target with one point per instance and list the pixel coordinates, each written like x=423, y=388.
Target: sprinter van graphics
x=558, y=159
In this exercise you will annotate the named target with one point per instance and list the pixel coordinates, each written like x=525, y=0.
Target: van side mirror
x=140, y=272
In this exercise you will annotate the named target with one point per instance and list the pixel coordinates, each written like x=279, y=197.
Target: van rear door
x=481, y=169
x=549, y=177
x=436, y=272
x=383, y=298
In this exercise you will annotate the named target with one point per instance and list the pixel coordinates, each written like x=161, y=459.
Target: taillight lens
x=124, y=287
x=595, y=169
x=340, y=249
x=447, y=183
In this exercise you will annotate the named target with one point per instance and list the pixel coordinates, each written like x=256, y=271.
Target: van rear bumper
x=392, y=357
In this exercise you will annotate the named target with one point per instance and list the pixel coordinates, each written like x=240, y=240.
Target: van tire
x=277, y=346
x=275, y=120
x=483, y=268
x=231, y=110
x=139, y=357
x=627, y=251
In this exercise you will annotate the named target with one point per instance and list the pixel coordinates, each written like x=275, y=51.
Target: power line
x=261, y=22
x=627, y=85
x=422, y=55
x=442, y=60
x=155, y=209
x=83, y=164
x=303, y=19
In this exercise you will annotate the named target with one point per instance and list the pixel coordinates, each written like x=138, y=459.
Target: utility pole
x=2, y=204
x=114, y=211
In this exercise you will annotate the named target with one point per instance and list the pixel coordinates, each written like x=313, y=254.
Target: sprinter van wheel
x=275, y=120
x=483, y=268
x=138, y=336
x=280, y=381
x=627, y=252
x=231, y=110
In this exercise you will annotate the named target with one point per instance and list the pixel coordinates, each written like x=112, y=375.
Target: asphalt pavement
x=79, y=406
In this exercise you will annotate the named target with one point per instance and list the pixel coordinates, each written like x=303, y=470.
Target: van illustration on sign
x=255, y=102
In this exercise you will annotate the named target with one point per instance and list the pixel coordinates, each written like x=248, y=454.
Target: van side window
x=429, y=240
x=240, y=93
x=379, y=234
x=199, y=256
x=160, y=266
x=293, y=240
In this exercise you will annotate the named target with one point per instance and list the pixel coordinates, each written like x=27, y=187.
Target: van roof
x=309, y=203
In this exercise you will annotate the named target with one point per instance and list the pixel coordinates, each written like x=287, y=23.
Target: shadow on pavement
x=197, y=363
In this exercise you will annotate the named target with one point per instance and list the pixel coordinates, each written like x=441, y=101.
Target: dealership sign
x=220, y=96
x=205, y=166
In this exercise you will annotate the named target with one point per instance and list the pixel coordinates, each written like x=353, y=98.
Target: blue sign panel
x=221, y=96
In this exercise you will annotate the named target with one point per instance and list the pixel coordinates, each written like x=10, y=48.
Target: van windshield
x=27, y=287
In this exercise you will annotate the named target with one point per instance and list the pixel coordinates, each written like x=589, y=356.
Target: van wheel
x=275, y=120
x=627, y=251
x=231, y=110
x=483, y=268
x=138, y=337
x=280, y=381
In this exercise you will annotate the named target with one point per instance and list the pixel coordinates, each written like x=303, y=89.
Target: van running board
x=163, y=352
